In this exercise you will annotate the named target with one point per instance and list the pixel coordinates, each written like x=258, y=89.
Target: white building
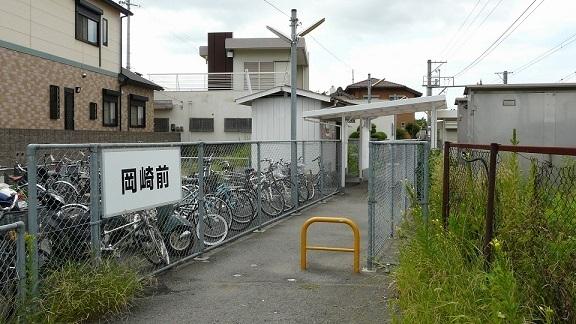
x=201, y=105
x=542, y=114
x=447, y=125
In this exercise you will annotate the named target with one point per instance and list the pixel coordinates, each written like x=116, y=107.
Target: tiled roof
x=382, y=84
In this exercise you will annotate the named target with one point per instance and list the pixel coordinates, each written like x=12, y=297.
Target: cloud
x=391, y=39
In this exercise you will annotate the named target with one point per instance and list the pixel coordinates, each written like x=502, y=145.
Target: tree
x=422, y=123
x=381, y=136
x=401, y=134
x=412, y=129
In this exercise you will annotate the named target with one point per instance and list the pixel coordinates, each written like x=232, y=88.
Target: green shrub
x=381, y=136
x=442, y=276
x=355, y=134
x=82, y=292
x=401, y=134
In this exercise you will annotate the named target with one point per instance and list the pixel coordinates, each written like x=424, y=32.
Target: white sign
x=140, y=178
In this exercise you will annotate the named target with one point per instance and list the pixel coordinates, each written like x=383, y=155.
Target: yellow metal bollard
x=340, y=220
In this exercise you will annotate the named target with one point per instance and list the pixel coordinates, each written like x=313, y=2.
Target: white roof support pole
x=344, y=150
x=434, y=129
x=363, y=150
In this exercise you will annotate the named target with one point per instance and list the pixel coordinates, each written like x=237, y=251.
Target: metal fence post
x=321, y=171
x=489, y=227
x=21, y=260
x=294, y=173
x=425, y=181
x=446, y=186
x=371, y=207
x=405, y=177
x=95, y=202
x=392, y=188
x=259, y=183
x=33, y=216
x=201, y=207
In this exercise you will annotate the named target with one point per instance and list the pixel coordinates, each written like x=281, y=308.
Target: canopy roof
x=380, y=108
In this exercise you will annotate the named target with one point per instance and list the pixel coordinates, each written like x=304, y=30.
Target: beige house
x=61, y=68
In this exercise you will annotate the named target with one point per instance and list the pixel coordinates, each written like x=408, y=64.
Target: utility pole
x=293, y=104
x=128, y=4
x=429, y=79
x=293, y=40
x=504, y=76
x=439, y=82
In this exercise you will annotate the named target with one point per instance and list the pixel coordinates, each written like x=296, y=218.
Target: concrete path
x=257, y=279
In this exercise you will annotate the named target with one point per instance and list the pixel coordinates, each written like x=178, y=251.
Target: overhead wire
x=467, y=39
x=569, y=76
x=459, y=28
x=517, y=23
x=312, y=37
x=549, y=52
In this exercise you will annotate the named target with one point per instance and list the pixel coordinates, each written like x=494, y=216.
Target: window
x=88, y=22
x=201, y=124
x=104, y=31
x=509, y=102
x=138, y=111
x=110, y=107
x=261, y=76
x=93, y=107
x=396, y=97
x=54, y=102
x=162, y=125
x=241, y=125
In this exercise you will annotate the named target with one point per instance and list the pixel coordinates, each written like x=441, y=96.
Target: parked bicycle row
x=230, y=203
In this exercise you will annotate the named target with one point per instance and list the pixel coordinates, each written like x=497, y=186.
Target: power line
x=465, y=33
x=567, y=77
x=460, y=28
x=278, y=9
x=502, y=37
x=549, y=52
x=313, y=38
x=466, y=39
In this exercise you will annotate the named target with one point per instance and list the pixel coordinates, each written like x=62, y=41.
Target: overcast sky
x=390, y=39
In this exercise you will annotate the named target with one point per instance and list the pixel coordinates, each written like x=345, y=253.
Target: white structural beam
x=379, y=108
x=344, y=150
x=363, y=147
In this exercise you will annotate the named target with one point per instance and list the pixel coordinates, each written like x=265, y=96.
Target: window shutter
x=54, y=102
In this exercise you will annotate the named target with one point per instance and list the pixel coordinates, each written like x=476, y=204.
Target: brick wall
x=25, y=97
x=14, y=141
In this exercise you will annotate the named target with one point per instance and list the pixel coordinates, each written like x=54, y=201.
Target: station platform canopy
x=379, y=108
x=367, y=111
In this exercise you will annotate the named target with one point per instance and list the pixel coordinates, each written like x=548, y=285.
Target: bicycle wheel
x=272, y=201
x=217, y=206
x=243, y=211
x=215, y=229
x=153, y=246
x=66, y=190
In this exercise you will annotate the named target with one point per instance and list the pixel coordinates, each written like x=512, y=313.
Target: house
x=61, y=69
x=447, y=125
x=382, y=89
x=201, y=105
x=543, y=114
x=271, y=115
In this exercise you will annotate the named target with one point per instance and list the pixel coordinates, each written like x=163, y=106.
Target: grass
x=80, y=292
x=442, y=276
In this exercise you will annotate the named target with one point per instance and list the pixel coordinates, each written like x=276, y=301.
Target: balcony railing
x=244, y=81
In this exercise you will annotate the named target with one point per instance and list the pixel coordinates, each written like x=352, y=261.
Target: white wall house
x=201, y=105
x=271, y=121
x=542, y=114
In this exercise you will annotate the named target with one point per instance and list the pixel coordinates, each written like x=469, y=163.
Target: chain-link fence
x=12, y=263
x=227, y=190
x=517, y=203
x=398, y=171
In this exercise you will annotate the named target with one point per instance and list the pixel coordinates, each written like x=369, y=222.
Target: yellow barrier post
x=339, y=220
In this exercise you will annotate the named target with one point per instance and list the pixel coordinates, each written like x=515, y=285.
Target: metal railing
x=238, y=81
x=396, y=168
x=229, y=189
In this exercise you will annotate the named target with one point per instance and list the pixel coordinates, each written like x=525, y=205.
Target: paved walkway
x=257, y=279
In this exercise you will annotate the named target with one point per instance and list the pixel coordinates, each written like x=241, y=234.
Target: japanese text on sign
x=145, y=179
